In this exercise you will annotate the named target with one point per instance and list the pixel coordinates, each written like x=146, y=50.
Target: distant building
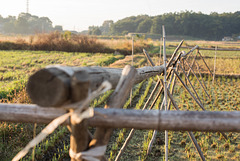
x=144, y=35
x=135, y=34
x=227, y=38
x=58, y=28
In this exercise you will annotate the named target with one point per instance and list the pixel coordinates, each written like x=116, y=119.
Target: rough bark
x=138, y=119
x=53, y=86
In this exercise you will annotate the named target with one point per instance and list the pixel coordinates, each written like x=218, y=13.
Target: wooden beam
x=138, y=119
x=52, y=86
x=201, y=48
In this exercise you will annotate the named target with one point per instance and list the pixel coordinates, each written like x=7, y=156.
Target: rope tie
x=92, y=154
x=82, y=111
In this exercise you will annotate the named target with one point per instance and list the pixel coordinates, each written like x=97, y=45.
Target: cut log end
x=49, y=87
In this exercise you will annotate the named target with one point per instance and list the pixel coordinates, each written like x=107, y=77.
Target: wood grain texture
x=138, y=119
x=53, y=87
x=116, y=100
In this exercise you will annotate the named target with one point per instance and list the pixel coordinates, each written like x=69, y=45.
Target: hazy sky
x=79, y=14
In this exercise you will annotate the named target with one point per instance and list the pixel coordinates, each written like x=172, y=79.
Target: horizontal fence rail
x=138, y=119
x=200, y=48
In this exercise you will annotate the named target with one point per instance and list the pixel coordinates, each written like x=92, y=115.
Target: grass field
x=17, y=66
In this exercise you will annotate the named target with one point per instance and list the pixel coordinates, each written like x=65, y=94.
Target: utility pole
x=27, y=11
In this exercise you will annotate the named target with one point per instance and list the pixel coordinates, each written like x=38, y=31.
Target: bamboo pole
x=160, y=51
x=132, y=65
x=191, y=50
x=151, y=142
x=194, y=59
x=190, y=83
x=168, y=65
x=188, y=90
x=123, y=148
x=205, y=63
x=155, y=131
x=57, y=80
x=150, y=97
x=132, y=49
x=102, y=135
x=165, y=90
x=138, y=119
x=169, y=83
x=173, y=86
x=198, y=79
x=183, y=69
x=130, y=135
x=200, y=105
x=189, y=132
x=199, y=72
x=201, y=48
x=152, y=64
x=214, y=69
x=197, y=147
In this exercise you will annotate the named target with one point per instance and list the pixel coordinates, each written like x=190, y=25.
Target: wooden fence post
x=214, y=70
x=116, y=100
x=80, y=137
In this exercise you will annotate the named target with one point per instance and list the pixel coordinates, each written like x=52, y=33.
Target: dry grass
x=54, y=41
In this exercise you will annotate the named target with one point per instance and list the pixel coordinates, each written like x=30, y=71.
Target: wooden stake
x=102, y=135
x=200, y=105
x=146, y=104
x=132, y=65
x=188, y=90
x=189, y=132
x=130, y=135
x=121, y=151
x=79, y=138
x=155, y=131
x=151, y=142
x=194, y=59
x=205, y=63
x=190, y=83
x=173, y=86
x=214, y=69
x=199, y=72
x=198, y=79
x=165, y=90
x=132, y=49
x=160, y=51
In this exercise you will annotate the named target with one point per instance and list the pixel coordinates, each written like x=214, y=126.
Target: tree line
x=26, y=23
x=212, y=26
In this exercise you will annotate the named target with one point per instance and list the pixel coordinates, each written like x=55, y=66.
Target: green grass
x=17, y=66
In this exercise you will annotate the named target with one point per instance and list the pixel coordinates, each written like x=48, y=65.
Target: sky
x=80, y=14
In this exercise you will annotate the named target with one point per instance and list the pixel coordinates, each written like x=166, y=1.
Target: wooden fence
x=59, y=89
